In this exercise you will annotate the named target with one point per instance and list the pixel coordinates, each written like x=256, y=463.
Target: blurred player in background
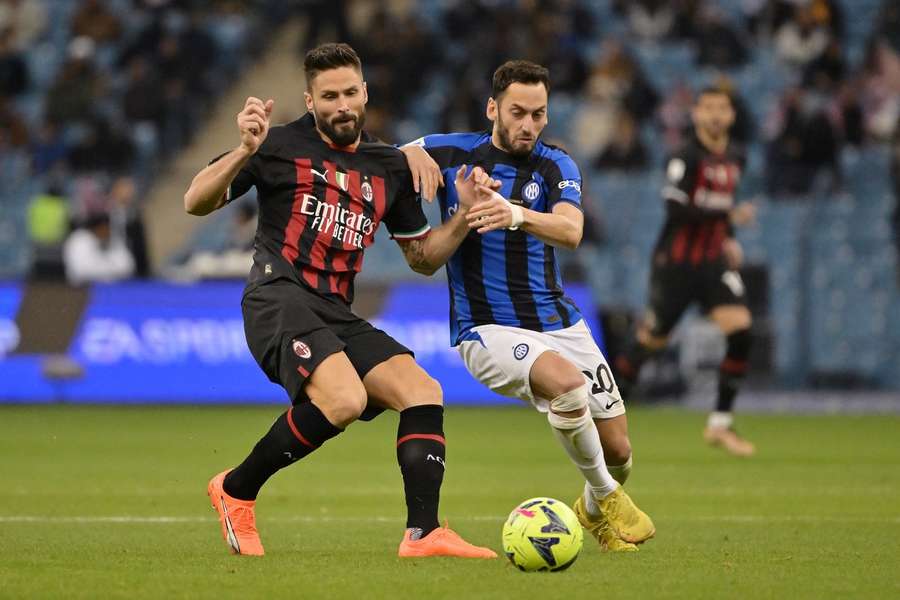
x=323, y=189
x=697, y=258
x=517, y=332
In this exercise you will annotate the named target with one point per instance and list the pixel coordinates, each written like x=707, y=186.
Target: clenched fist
x=253, y=123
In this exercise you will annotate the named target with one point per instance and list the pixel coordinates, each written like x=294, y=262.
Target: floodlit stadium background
x=111, y=107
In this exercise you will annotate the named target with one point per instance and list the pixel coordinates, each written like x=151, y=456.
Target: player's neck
x=716, y=145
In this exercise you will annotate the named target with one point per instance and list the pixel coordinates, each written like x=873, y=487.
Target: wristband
x=518, y=215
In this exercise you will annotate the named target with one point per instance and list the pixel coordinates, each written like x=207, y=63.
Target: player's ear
x=309, y=101
x=365, y=93
x=491, y=110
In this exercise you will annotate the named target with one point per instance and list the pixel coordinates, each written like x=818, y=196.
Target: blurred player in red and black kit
x=696, y=259
x=323, y=187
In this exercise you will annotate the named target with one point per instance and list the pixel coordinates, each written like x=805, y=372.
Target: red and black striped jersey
x=699, y=194
x=319, y=206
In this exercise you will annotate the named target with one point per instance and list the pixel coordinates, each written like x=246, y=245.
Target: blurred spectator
x=48, y=148
x=102, y=148
x=92, y=253
x=625, y=151
x=718, y=43
x=48, y=224
x=143, y=100
x=13, y=132
x=26, y=18
x=127, y=222
x=93, y=19
x=881, y=90
x=887, y=24
x=803, y=38
x=13, y=69
x=465, y=109
x=648, y=19
x=806, y=145
x=233, y=257
x=74, y=95
x=326, y=20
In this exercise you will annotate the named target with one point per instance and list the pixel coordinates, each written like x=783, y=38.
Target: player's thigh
x=376, y=356
x=285, y=336
x=672, y=289
x=501, y=358
x=399, y=383
x=576, y=344
x=552, y=375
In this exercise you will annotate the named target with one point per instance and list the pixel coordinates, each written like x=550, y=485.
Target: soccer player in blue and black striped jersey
x=514, y=327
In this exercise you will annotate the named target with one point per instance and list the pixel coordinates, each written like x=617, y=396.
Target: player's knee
x=428, y=391
x=572, y=403
x=343, y=402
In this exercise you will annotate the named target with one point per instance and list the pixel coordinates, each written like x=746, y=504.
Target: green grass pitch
x=110, y=503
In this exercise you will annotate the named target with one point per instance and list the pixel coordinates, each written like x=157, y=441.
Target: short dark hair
x=518, y=71
x=329, y=56
x=714, y=90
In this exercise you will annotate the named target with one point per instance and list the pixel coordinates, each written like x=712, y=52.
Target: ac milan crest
x=301, y=349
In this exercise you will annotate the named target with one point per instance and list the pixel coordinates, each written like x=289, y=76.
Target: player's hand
x=743, y=214
x=473, y=187
x=490, y=213
x=733, y=252
x=253, y=123
x=426, y=173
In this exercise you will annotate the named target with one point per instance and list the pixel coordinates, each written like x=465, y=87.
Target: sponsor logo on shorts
x=532, y=190
x=520, y=351
x=301, y=349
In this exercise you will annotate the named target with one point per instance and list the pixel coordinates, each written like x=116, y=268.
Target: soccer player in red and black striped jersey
x=696, y=259
x=323, y=189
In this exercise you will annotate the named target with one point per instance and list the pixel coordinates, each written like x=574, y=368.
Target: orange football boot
x=237, y=519
x=443, y=541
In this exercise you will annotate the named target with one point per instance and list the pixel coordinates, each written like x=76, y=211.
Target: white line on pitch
x=127, y=519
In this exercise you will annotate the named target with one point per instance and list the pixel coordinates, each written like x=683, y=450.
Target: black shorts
x=673, y=287
x=290, y=330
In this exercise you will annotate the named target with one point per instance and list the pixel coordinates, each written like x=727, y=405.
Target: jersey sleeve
x=440, y=146
x=681, y=178
x=405, y=218
x=564, y=183
x=246, y=178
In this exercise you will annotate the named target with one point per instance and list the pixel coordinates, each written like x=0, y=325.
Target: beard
x=506, y=144
x=345, y=135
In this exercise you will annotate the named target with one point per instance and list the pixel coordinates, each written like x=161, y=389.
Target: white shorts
x=503, y=358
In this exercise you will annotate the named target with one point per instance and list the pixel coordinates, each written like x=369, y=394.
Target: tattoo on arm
x=414, y=251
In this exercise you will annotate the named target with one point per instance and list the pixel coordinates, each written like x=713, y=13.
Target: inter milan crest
x=520, y=351
x=531, y=191
x=301, y=349
x=367, y=191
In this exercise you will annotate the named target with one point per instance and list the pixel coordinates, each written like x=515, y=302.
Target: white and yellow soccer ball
x=542, y=534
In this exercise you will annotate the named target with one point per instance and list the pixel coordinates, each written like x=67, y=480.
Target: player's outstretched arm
x=429, y=254
x=207, y=190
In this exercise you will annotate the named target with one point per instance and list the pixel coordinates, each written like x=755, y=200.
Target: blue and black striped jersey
x=506, y=277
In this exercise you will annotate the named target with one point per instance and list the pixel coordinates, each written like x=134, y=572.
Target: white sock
x=719, y=420
x=579, y=437
x=620, y=472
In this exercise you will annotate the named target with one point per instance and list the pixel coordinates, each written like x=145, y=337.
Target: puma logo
x=323, y=176
x=436, y=459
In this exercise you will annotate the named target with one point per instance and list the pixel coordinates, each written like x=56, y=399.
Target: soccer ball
x=542, y=534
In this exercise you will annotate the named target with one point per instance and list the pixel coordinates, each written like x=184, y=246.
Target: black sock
x=420, y=453
x=293, y=435
x=733, y=369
